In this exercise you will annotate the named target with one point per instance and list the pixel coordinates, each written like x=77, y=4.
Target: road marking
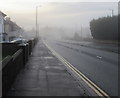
x=99, y=57
x=94, y=87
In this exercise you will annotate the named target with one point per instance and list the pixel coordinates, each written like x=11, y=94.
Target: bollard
x=30, y=46
x=27, y=48
x=32, y=43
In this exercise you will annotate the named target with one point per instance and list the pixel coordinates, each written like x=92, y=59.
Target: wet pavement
x=45, y=75
x=99, y=66
x=95, y=45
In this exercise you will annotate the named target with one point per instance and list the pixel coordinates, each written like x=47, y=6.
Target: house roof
x=3, y=14
x=8, y=22
x=11, y=23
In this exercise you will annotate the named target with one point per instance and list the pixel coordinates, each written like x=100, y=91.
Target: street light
x=37, y=35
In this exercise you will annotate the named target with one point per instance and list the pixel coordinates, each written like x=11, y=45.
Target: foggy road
x=99, y=66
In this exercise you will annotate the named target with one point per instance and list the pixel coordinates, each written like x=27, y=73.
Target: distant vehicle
x=20, y=41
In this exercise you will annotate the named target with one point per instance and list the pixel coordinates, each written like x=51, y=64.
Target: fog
x=58, y=19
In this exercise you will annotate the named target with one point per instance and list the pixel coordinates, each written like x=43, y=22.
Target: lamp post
x=37, y=33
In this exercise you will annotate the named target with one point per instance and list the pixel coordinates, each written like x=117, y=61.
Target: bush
x=105, y=28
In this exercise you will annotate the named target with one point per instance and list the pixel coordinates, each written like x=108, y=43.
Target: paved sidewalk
x=45, y=75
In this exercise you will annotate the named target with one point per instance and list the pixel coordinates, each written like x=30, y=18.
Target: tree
x=105, y=28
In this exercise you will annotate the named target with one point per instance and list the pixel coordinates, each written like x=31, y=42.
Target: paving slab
x=45, y=75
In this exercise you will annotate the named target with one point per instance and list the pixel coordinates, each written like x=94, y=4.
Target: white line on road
x=99, y=57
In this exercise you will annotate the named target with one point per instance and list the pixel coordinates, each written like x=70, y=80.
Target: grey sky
x=60, y=14
x=75, y=14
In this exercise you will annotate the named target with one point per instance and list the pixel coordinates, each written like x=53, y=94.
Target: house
x=2, y=15
x=11, y=28
x=3, y=35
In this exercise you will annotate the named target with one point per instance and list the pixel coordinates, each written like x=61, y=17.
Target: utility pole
x=81, y=32
x=112, y=12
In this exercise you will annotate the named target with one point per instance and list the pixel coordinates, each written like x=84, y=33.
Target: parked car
x=20, y=41
x=4, y=41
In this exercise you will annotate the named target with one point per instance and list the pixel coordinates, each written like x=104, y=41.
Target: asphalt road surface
x=98, y=65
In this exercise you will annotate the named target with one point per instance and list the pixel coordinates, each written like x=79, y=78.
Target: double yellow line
x=93, y=86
